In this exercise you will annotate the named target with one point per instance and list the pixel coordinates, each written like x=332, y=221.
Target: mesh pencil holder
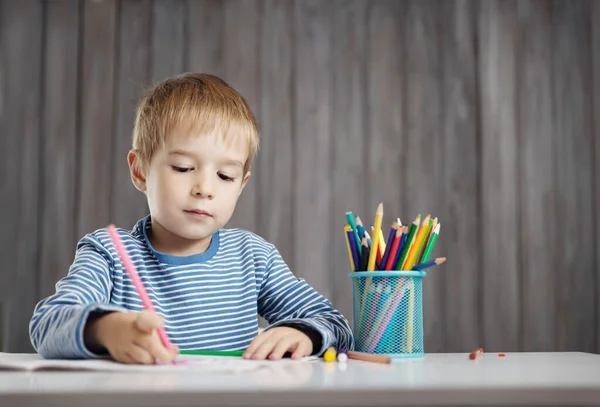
x=388, y=312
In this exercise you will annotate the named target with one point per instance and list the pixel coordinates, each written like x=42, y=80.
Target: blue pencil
x=429, y=264
x=388, y=247
x=354, y=249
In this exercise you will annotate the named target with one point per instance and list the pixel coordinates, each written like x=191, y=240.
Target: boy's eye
x=181, y=169
x=225, y=178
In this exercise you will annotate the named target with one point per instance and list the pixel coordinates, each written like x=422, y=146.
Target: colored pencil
x=353, y=249
x=364, y=256
x=381, y=247
x=137, y=282
x=429, y=264
x=409, y=262
x=393, y=249
x=432, y=224
x=368, y=236
x=374, y=246
x=350, y=238
x=362, y=232
x=400, y=247
x=434, y=235
x=367, y=357
x=409, y=240
x=350, y=219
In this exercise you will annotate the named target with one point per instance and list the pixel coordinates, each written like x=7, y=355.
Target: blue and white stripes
x=209, y=301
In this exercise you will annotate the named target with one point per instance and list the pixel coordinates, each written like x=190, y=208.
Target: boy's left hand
x=275, y=342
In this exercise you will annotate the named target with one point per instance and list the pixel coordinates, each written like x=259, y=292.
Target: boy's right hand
x=131, y=337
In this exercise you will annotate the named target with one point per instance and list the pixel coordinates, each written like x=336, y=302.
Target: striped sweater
x=209, y=301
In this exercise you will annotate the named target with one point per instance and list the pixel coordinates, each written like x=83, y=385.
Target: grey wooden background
x=483, y=113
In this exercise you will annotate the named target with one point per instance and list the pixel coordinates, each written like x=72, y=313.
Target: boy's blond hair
x=195, y=104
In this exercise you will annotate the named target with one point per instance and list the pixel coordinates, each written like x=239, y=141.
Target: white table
x=550, y=379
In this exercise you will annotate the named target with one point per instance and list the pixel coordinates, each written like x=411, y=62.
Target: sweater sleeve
x=285, y=300
x=57, y=326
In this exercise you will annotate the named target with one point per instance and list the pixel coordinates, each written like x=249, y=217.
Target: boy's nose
x=203, y=189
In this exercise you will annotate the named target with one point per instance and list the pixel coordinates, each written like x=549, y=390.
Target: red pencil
x=394, y=249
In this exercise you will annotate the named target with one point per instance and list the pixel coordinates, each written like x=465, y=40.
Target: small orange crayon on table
x=476, y=353
x=368, y=357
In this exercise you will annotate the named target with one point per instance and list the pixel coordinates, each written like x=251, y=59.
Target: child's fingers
x=155, y=347
x=256, y=343
x=140, y=355
x=302, y=349
x=265, y=347
x=147, y=321
x=281, y=346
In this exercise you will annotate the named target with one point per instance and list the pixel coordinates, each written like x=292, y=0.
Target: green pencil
x=431, y=243
x=408, y=242
x=213, y=352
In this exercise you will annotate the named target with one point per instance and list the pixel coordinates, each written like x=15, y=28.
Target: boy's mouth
x=198, y=213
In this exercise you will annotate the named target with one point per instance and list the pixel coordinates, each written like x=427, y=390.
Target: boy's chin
x=195, y=233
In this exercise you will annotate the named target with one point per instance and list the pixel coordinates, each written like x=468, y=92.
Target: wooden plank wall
x=485, y=114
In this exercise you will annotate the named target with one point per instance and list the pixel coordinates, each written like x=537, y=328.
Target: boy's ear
x=136, y=171
x=245, y=181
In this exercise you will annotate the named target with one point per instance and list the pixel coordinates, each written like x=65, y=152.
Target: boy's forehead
x=216, y=141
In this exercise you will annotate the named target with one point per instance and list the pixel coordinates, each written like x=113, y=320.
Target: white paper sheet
x=34, y=362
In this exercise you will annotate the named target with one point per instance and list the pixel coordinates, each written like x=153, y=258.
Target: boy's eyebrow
x=232, y=162
x=224, y=162
x=180, y=152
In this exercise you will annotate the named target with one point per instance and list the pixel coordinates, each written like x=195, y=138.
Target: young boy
x=194, y=140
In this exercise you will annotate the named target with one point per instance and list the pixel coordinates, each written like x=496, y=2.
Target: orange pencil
x=417, y=245
x=368, y=357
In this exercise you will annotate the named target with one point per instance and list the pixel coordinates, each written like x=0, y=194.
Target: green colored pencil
x=432, y=239
x=408, y=242
x=213, y=352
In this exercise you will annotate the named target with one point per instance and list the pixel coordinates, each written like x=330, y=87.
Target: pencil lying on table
x=368, y=357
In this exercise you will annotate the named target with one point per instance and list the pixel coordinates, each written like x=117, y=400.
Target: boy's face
x=193, y=184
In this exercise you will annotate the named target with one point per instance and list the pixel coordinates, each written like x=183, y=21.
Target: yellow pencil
x=409, y=262
x=381, y=245
x=348, y=228
x=375, y=243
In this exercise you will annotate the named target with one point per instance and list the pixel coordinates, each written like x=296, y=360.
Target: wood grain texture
x=595, y=47
x=485, y=114
x=499, y=176
x=349, y=54
x=170, y=37
x=423, y=161
x=241, y=54
x=276, y=161
x=59, y=118
x=312, y=149
x=128, y=205
x=460, y=217
x=571, y=64
x=537, y=169
x=96, y=130
x=22, y=33
x=384, y=137
x=8, y=159
x=206, y=26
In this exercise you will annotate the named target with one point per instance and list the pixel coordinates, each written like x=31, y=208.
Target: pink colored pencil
x=135, y=278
